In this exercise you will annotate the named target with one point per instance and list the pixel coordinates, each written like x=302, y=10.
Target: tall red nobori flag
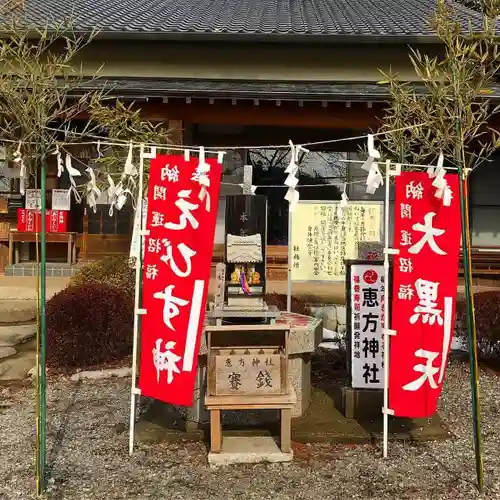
x=427, y=235
x=182, y=211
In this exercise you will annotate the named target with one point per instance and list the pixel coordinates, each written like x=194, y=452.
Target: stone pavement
x=17, y=339
x=24, y=288
x=322, y=422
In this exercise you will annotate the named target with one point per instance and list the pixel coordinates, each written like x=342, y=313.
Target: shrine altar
x=306, y=334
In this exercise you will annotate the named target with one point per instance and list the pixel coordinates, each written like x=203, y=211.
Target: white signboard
x=324, y=236
x=367, y=320
x=33, y=199
x=61, y=199
x=134, y=246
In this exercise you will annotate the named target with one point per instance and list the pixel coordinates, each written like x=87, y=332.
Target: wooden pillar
x=176, y=133
x=85, y=237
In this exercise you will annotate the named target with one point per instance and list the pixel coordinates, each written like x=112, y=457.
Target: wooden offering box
x=247, y=360
x=248, y=370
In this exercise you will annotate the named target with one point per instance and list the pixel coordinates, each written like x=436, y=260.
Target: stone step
x=12, y=335
x=7, y=352
x=17, y=367
x=17, y=311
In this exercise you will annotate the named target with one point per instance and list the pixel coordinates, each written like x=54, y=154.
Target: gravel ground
x=87, y=453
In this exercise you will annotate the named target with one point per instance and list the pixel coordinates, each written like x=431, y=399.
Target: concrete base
x=362, y=404
x=248, y=450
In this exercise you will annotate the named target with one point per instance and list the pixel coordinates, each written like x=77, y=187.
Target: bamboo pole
x=43, y=323
x=37, y=364
x=469, y=303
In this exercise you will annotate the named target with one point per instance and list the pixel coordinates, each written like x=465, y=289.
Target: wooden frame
x=284, y=403
x=211, y=348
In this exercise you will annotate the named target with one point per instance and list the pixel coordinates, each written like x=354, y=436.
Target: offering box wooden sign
x=247, y=360
x=249, y=372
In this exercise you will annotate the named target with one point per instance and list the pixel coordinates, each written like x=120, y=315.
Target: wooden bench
x=16, y=237
x=284, y=403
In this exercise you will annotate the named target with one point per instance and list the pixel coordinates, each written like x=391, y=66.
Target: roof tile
x=235, y=17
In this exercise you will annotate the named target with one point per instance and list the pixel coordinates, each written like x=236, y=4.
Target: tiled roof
x=371, y=19
x=249, y=89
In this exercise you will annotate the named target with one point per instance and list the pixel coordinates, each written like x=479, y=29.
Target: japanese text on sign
x=324, y=236
x=181, y=217
x=33, y=199
x=248, y=374
x=61, y=199
x=427, y=235
x=367, y=300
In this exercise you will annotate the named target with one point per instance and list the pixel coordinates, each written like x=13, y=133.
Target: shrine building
x=242, y=75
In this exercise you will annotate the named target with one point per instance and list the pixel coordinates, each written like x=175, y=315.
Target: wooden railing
x=485, y=261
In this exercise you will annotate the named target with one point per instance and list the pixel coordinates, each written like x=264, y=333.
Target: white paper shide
x=367, y=321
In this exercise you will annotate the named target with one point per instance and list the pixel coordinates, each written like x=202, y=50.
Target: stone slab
x=248, y=450
x=17, y=367
x=12, y=335
x=17, y=311
x=306, y=333
x=7, y=352
x=364, y=404
x=102, y=374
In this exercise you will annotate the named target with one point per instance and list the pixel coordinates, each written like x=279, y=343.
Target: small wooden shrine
x=248, y=353
x=241, y=285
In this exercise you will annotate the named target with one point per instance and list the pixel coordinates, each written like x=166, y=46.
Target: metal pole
x=469, y=303
x=386, y=309
x=137, y=302
x=290, y=256
x=43, y=322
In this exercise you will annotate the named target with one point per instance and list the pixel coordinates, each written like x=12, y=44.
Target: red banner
x=427, y=235
x=29, y=220
x=183, y=200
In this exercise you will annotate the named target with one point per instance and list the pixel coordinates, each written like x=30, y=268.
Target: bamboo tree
x=45, y=98
x=452, y=101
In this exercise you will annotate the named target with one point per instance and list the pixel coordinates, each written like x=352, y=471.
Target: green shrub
x=487, y=314
x=298, y=306
x=89, y=325
x=115, y=271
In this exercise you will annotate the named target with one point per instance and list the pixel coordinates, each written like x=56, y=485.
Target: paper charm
x=292, y=195
x=374, y=179
x=93, y=192
x=22, y=168
x=129, y=166
x=439, y=166
x=187, y=155
x=220, y=157
x=344, y=201
x=201, y=176
x=122, y=199
x=73, y=172
x=373, y=154
x=60, y=165
x=111, y=194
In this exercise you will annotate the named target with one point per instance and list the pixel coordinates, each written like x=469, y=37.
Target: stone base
x=299, y=371
x=248, y=450
x=362, y=404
